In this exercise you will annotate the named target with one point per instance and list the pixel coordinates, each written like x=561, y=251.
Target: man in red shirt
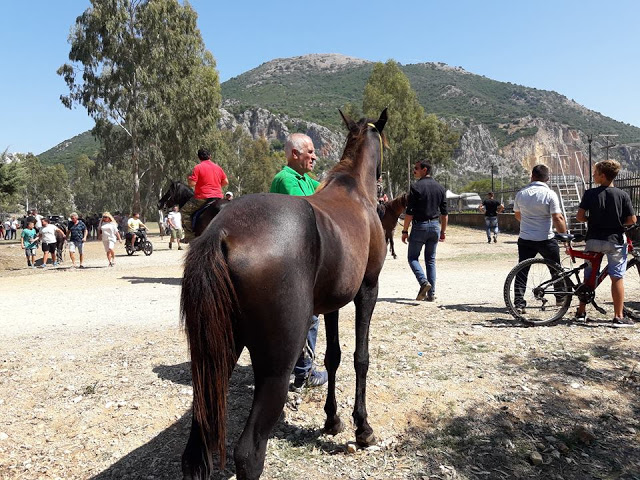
x=207, y=179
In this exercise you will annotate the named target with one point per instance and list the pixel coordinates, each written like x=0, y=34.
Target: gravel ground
x=95, y=379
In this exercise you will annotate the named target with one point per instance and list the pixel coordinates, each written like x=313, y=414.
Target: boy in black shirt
x=610, y=209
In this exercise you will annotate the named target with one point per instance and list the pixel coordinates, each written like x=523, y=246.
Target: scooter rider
x=133, y=225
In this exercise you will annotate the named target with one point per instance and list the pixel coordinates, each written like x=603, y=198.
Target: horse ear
x=347, y=121
x=381, y=122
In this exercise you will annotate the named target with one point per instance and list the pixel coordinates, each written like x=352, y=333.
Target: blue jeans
x=305, y=361
x=425, y=234
x=491, y=223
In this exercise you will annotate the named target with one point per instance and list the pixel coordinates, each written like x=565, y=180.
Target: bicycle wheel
x=543, y=293
x=632, y=289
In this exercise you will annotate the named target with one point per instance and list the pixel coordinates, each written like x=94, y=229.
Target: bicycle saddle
x=564, y=237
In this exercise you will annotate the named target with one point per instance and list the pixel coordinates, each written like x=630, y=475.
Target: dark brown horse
x=255, y=277
x=178, y=194
x=392, y=211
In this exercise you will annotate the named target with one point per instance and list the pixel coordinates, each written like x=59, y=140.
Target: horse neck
x=396, y=206
x=362, y=162
x=182, y=194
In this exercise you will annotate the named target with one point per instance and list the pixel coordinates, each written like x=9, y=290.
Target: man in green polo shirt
x=293, y=179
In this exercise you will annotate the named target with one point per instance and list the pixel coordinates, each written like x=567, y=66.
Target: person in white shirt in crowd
x=48, y=236
x=108, y=233
x=228, y=196
x=38, y=218
x=14, y=228
x=174, y=219
x=7, y=229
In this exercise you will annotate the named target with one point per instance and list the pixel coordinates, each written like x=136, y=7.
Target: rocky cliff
x=259, y=122
x=558, y=146
x=503, y=124
x=562, y=148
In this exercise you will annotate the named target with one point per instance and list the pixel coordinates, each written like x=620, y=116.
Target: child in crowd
x=29, y=244
x=607, y=210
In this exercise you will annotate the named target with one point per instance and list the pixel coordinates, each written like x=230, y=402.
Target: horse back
x=267, y=238
x=352, y=247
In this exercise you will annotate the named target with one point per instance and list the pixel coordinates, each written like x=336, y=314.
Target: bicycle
x=539, y=291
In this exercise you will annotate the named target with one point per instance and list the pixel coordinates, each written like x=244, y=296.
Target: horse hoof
x=366, y=439
x=333, y=428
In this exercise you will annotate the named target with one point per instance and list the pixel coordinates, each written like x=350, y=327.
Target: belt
x=426, y=219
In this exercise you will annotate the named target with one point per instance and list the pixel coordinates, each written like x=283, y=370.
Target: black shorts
x=49, y=247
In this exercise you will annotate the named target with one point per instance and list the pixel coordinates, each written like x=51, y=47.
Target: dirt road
x=95, y=380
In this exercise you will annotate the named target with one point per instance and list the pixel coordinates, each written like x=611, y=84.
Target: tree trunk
x=135, y=170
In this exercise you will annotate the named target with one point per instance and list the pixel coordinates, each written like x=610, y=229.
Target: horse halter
x=380, y=137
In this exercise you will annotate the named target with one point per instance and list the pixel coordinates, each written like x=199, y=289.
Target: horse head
x=162, y=203
x=177, y=194
x=363, y=154
x=358, y=129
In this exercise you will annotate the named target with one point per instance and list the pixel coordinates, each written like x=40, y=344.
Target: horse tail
x=207, y=304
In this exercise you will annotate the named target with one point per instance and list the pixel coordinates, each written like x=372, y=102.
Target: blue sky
x=586, y=50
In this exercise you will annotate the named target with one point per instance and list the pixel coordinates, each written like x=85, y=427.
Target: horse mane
x=179, y=184
x=354, y=140
x=399, y=201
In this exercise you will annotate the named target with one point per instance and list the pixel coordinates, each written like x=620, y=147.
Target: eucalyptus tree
x=141, y=65
x=82, y=184
x=250, y=164
x=412, y=135
x=47, y=187
x=12, y=177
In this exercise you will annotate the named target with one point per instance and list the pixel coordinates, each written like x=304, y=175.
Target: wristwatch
x=405, y=232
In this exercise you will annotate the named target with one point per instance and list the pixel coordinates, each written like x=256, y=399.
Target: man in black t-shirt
x=491, y=208
x=609, y=210
x=427, y=215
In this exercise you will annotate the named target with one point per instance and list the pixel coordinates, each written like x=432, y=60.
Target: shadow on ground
x=577, y=437
x=160, y=458
x=400, y=301
x=161, y=280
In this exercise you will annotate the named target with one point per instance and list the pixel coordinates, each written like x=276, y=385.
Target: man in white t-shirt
x=38, y=218
x=14, y=228
x=537, y=208
x=174, y=219
x=49, y=241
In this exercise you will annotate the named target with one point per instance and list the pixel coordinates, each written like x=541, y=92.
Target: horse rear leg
x=271, y=385
x=333, y=425
x=393, y=252
x=195, y=459
x=365, y=302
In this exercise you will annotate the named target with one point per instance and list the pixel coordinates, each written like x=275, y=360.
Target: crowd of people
x=606, y=209
x=51, y=234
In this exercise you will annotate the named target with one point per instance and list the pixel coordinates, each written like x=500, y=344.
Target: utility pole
x=492, y=189
x=590, y=139
x=608, y=145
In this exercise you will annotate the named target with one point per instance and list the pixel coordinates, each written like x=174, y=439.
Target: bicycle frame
x=595, y=258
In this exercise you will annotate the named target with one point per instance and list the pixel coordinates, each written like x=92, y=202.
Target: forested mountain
x=66, y=152
x=312, y=87
x=502, y=124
